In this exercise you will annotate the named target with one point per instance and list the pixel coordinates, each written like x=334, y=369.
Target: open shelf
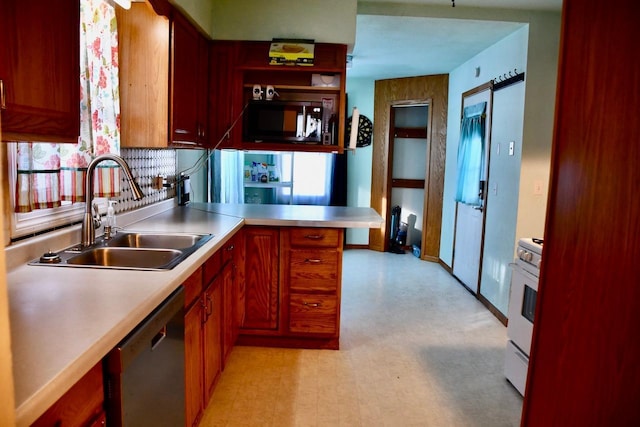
x=298, y=88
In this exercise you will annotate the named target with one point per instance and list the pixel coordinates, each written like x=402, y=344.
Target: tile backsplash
x=145, y=165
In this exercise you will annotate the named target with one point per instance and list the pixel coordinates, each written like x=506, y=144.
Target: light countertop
x=65, y=320
x=297, y=215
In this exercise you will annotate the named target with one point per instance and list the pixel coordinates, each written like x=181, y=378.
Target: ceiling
x=403, y=46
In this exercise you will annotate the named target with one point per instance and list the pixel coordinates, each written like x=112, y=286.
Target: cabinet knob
x=313, y=261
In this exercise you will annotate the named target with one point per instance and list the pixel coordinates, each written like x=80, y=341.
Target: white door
x=467, y=245
x=469, y=224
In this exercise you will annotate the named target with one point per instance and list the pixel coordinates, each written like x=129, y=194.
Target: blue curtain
x=227, y=175
x=471, y=154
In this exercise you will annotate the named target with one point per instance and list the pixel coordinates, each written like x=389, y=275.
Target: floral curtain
x=50, y=173
x=471, y=154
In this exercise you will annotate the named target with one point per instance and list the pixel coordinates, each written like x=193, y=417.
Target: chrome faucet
x=89, y=221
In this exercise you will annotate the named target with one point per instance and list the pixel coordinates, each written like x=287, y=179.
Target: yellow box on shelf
x=291, y=52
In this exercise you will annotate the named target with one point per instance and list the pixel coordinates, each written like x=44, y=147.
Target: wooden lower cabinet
x=82, y=405
x=293, y=294
x=227, y=312
x=203, y=357
x=194, y=379
x=212, y=340
x=312, y=276
x=261, y=280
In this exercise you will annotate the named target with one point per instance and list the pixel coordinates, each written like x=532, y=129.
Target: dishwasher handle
x=160, y=336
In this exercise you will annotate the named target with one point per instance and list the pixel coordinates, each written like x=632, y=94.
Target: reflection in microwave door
x=313, y=126
x=299, y=125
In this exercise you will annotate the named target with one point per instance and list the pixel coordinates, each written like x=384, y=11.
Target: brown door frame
x=427, y=89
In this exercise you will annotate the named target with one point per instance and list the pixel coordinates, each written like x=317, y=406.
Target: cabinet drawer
x=212, y=267
x=313, y=314
x=227, y=251
x=316, y=237
x=313, y=270
x=192, y=287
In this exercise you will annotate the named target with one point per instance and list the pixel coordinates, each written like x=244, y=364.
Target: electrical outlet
x=159, y=182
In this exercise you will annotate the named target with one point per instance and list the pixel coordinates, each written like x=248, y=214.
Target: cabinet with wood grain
x=39, y=70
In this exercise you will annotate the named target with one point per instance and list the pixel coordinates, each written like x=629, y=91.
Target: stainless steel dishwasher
x=145, y=372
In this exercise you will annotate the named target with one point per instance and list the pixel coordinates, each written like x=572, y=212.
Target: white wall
x=523, y=114
x=327, y=21
x=508, y=54
x=539, y=108
x=200, y=12
x=360, y=94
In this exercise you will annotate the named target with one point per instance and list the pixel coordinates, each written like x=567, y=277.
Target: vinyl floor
x=416, y=349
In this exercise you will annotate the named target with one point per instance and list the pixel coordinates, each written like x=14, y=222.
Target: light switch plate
x=512, y=145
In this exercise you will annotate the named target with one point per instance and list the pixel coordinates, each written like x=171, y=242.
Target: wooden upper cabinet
x=39, y=70
x=143, y=38
x=224, y=106
x=189, y=83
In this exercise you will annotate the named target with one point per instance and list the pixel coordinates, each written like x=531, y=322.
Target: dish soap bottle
x=110, y=225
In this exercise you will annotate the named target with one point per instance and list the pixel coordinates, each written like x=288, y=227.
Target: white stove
x=522, y=305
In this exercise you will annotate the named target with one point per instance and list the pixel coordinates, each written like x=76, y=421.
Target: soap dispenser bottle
x=110, y=223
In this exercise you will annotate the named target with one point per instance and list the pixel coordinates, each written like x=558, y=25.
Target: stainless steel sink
x=129, y=250
x=155, y=240
x=127, y=258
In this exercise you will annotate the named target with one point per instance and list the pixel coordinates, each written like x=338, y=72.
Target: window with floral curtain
x=49, y=173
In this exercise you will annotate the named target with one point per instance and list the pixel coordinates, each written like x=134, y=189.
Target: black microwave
x=284, y=121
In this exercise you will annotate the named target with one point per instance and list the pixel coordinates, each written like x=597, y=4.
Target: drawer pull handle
x=312, y=261
x=3, y=99
x=312, y=304
x=314, y=236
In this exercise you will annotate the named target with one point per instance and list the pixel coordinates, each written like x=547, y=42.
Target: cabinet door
x=228, y=311
x=184, y=58
x=222, y=100
x=203, y=91
x=189, y=83
x=81, y=405
x=261, y=278
x=193, y=356
x=39, y=69
x=238, y=282
x=212, y=298
x=143, y=39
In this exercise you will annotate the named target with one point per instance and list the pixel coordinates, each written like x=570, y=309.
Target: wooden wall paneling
x=434, y=91
x=584, y=361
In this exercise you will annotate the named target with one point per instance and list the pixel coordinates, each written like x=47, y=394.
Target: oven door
x=522, y=303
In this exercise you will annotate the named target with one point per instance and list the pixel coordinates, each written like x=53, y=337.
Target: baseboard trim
x=445, y=266
x=352, y=246
x=492, y=308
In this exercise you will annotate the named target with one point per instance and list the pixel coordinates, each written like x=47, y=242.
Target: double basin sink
x=129, y=250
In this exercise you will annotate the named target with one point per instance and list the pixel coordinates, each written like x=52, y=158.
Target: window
x=312, y=178
x=62, y=167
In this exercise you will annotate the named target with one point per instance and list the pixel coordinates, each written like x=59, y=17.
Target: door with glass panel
x=472, y=178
